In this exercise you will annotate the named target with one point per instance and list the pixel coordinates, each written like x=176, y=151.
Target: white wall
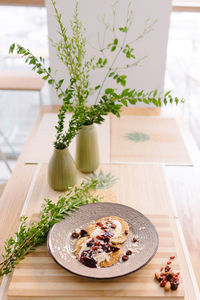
x=154, y=45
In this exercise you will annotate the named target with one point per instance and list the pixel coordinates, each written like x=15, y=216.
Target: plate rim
x=113, y=277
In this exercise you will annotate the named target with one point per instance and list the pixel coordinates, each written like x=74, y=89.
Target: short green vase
x=87, y=149
x=61, y=170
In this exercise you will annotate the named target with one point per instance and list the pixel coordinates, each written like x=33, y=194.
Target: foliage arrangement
x=71, y=50
x=34, y=234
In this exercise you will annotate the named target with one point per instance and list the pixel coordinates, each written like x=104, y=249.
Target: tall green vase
x=87, y=149
x=61, y=170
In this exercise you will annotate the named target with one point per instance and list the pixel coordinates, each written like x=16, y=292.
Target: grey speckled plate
x=60, y=243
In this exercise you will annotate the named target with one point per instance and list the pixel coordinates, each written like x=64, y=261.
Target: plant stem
x=114, y=60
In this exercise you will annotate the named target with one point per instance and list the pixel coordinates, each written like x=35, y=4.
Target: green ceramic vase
x=87, y=149
x=61, y=170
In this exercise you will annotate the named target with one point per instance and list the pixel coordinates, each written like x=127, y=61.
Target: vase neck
x=64, y=151
x=87, y=127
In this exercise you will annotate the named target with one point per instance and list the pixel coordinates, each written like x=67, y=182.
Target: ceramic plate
x=60, y=244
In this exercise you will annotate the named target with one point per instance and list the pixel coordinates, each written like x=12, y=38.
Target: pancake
x=120, y=237
x=113, y=257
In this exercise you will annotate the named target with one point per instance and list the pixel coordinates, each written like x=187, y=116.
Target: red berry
x=135, y=240
x=83, y=233
x=114, y=249
x=90, y=244
x=172, y=257
x=106, y=239
x=125, y=257
x=169, y=277
x=97, y=244
x=163, y=283
x=126, y=231
x=169, y=262
x=174, y=285
x=94, y=248
x=174, y=278
x=167, y=269
x=128, y=252
x=75, y=235
x=100, y=237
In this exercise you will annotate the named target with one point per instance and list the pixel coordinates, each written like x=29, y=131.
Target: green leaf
x=50, y=81
x=140, y=93
x=111, y=74
x=123, y=82
x=123, y=101
x=45, y=77
x=97, y=87
x=115, y=41
x=155, y=93
x=11, y=49
x=125, y=92
x=167, y=93
x=123, y=29
x=105, y=61
x=109, y=91
x=60, y=82
x=40, y=71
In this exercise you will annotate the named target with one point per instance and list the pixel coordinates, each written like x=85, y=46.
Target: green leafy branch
x=128, y=96
x=67, y=106
x=149, y=26
x=113, y=46
x=78, y=119
x=113, y=102
x=34, y=234
x=38, y=66
x=71, y=51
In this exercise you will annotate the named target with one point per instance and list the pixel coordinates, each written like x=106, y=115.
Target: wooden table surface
x=182, y=182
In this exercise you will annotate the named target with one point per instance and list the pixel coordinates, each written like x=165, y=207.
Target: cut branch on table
x=29, y=236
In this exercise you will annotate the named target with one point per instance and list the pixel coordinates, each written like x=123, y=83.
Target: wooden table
x=178, y=190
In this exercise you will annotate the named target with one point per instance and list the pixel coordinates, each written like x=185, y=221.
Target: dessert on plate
x=101, y=245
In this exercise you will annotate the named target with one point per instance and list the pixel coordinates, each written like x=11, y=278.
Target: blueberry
x=83, y=233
